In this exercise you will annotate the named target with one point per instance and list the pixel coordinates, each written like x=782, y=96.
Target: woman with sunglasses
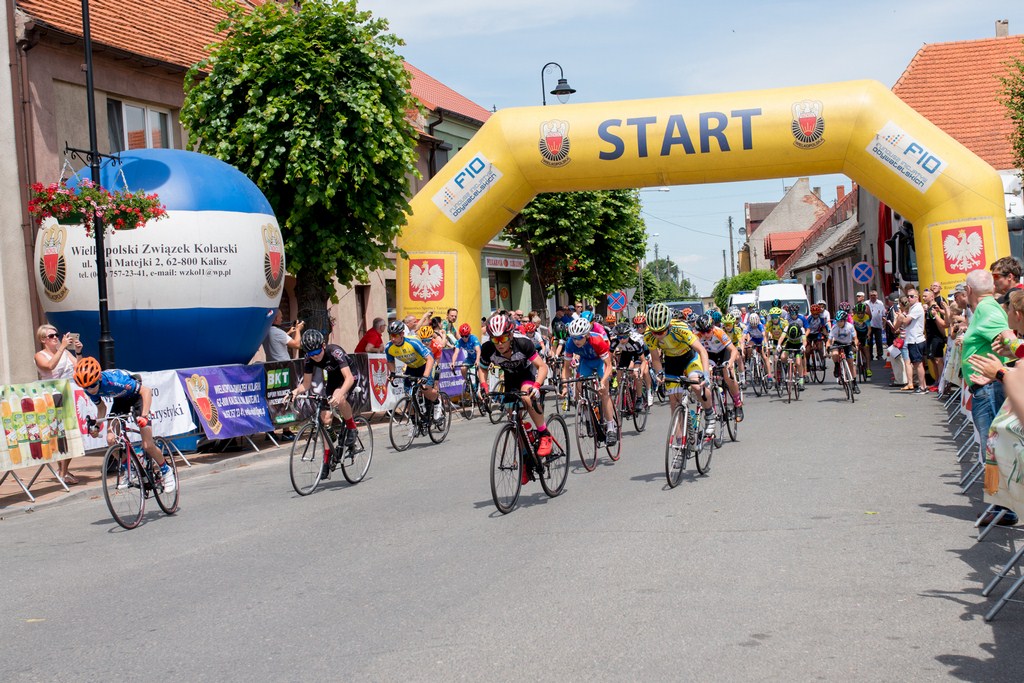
x=338, y=382
x=56, y=360
x=524, y=370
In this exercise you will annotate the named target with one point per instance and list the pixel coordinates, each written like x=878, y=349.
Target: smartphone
x=75, y=336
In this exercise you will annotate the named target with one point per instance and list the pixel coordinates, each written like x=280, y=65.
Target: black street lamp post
x=563, y=90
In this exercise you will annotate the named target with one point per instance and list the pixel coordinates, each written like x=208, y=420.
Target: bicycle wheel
x=556, y=465
x=466, y=401
x=731, y=425
x=661, y=393
x=438, y=428
x=817, y=363
x=640, y=411
x=779, y=379
x=718, y=406
x=307, y=459
x=862, y=368
x=615, y=451
x=701, y=447
x=676, y=446
x=505, y=470
x=497, y=411
x=168, y=502
x=356, y=460
x=586, y=434
x=796, y=381
x=123, y=489
x=402, y=429
x=756, y=374
x=849, y=383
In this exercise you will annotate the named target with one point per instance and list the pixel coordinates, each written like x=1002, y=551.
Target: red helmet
x=529, y=328
x=465, y=330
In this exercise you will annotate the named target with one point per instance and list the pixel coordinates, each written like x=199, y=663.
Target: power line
x=712, y=234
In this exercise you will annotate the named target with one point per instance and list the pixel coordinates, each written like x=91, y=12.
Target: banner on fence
x=282, y=377
x=383, y=396
x=230, y=400
x=39, y=424
x=450, y=382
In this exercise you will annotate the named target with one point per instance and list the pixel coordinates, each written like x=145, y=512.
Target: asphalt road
x=829, y=543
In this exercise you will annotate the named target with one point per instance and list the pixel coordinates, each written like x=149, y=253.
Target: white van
x=740, y=299
x=786, y=291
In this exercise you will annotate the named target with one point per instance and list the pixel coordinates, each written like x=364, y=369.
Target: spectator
x=277, y=343
x=960, y=299
x=987, y=324
x=578, y=312
x=934, y=334
x=56, y=360
x=914, y=339
x=450, y=327
x=900, y=341
x=373, y=340
x=1006, y=274
x=412, y=325
x=877, y=309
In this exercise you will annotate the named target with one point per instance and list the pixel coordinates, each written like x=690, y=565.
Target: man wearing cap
x=877, y=309
x=960, y=299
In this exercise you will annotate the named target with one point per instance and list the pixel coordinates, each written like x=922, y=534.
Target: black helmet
x=312, y=340
x=703, y=323
x=623, y=329
x=776, y=303
x=396, y=327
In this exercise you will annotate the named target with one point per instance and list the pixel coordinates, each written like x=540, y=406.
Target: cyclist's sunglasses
x=314, y=352
x=502, y=339
x=578, y=337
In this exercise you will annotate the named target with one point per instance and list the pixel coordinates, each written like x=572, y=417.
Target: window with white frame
x=137, y=126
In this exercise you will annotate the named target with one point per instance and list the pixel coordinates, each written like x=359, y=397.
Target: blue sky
x=492, y=53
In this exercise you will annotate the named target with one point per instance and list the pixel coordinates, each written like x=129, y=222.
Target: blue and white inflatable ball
x=198, y=287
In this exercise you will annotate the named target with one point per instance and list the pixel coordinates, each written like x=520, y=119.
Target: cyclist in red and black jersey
x=338, y=378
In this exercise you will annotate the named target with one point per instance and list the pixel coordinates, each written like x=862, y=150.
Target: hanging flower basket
x=123, y=210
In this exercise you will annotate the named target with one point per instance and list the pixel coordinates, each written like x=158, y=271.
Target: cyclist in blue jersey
x=753, y=337
x=595, y=358
x=843, y=337
x=130, y=397
x=469, y=347
x=818, y=327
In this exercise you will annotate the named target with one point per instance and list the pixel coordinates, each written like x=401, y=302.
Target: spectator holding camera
x=277, y=344
x=57, y=360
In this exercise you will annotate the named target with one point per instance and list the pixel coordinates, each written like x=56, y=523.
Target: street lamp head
x=563, y=90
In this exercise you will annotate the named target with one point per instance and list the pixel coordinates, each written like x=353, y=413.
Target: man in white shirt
x=877, y=309
x=913, y=325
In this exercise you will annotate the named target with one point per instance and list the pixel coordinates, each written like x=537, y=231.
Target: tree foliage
x=313, y=106
x=585, y=243
x=673, y=285
x=744, y=282
x=1012, y=97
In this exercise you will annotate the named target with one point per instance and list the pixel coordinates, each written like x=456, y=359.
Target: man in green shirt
x=987, y=322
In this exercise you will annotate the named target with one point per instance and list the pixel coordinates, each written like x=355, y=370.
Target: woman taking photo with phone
x=57, y=360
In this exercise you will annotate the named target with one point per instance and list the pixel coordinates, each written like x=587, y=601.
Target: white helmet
x=754, y=319
x=498, y=326
x=580, y=327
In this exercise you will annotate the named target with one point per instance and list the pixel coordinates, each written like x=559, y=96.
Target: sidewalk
x=48, y=491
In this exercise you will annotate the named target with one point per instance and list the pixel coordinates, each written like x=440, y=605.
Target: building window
x=137, y=126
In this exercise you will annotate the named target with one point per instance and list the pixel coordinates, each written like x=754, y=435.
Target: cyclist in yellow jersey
x=684, y=356
x=734, y=331
x=774, y=329
x=419, y=362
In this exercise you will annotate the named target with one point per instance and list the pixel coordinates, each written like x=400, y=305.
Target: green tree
x=739, y=283
x=673, y=285
x=1012, y=97
x=585, y=243
x=313, y=106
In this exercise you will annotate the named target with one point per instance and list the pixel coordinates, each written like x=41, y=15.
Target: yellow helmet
x=425, y=332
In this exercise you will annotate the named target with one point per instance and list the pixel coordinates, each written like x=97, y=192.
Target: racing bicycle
x=130, y=476
x=687, y=436
x=318, y=450
x=591, y=423
x=410, y=417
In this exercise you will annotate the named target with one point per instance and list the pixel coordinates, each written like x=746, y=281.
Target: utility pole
x=725, y=268
x=732, y=258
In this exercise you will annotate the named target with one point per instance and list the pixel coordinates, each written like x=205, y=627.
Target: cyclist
x=721, y=351
x=817, y=328
x=529, y=330
x=734, y=330
x=684, y=356
x=862, y=326
x=130, y=396
x=629, y=348
x=339, y=379
x=753, y=337
x=594, y=357
x=524, y=371
x=774, y=329
x=792, y=343
x=469, y=345
x=419, y=362
x=432, y=339
x=559, y=333
x=825, y=311
x=842, y=340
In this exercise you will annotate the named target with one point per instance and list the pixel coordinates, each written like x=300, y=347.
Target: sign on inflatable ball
x=198, y=287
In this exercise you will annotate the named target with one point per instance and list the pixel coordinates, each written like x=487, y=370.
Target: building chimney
x=816, y=191
x=840, y=193
x=1002, y=28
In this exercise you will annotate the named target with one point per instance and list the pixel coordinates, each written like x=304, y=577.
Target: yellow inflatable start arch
x=856, y=128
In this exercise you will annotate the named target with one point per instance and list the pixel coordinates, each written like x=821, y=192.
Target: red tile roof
x=436, y=95
x=178, y=31
x=956, y=86
x=842, y=210
x=778, y=243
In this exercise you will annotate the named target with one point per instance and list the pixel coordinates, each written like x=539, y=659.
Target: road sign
x=863, y=272
x=617, y=301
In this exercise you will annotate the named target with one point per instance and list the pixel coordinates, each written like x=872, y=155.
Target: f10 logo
x=475, y=167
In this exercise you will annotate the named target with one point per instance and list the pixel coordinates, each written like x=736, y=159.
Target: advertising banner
x=230, y=400
x=359, y=397
x=383, y=396
x=450, y=382
x=39, y=424
x=281, y=378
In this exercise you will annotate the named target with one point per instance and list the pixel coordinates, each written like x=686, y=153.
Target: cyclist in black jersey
x=628, y=347
x=338, y=378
